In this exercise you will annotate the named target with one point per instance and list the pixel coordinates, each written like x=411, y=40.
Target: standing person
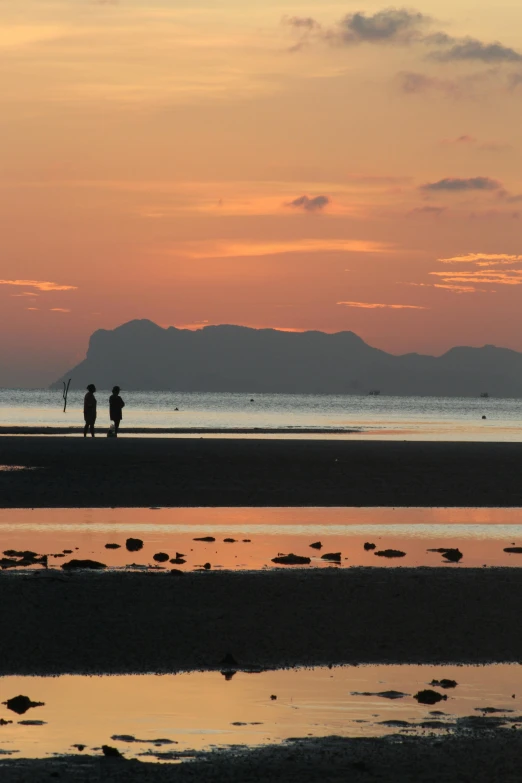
x=116, y=406
x=89, y=410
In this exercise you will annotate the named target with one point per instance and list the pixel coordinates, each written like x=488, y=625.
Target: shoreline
x=116, y=623
x=240, y=472
x=193, y=431
x=482, y=757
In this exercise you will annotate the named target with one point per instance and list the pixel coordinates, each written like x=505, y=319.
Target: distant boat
x=374, y=392
x=484, y=395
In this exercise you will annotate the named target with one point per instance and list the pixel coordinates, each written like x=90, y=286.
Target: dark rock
x=369, y=546
x=26, y=554
x=79, y=746
x=229, y=540
x=273, y=697
x=390, y=553
x=123, y=738
x=207, y=566
x=134, y=544
x=514, y=550
x=334, y=557
x=396, y=724
x=490, y=710
x=20, y=704
x=247, y=541
x=291, y=559
x=32, y=723
x=316, y=545
x=67, y=551
x=178, y=561
x=208, y=539
x=444, y=683
x=160, y=557
x=429, y=697
x=382, y=694
x=436, y=724
x=453, y=555
x=8, y=562
x=228, y=674
x=4, y=722
x=111, y=752
x=112, y=546
x=177, y=572
x=74, y=565
x=180, y=554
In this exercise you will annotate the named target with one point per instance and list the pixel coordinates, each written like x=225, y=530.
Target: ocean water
x=404, y=418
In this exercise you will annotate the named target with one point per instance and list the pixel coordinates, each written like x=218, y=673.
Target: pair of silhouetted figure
x=90, y=405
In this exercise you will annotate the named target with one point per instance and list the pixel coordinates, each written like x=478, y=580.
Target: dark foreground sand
x=266, y=472
x=487, y=758
x=55, y=623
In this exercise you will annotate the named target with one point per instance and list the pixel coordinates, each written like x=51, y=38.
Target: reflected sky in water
x=261, y=534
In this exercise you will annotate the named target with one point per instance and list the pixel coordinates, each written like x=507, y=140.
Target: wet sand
x=490, y=756
x=87, y=622
x=77, y=472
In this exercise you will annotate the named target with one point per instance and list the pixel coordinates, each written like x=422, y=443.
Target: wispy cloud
x=230, y=249
x=482, y=259
x=454, y=289
x=401, y=27
x=314, y=204
x=378, y=306
x=40, y=285
x=457, y=184
x=490, y=276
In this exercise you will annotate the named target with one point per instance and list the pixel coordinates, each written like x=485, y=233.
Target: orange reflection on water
x=196, y=711
x=260, y=534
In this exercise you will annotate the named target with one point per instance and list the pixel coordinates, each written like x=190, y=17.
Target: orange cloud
x=508, y=277
x=41, y=285
x=374, y=306
x=59, y=310
x=227, y=249
x=482, y=259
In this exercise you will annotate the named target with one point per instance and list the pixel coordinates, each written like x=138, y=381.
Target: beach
x=105, y=622
x=214, y=471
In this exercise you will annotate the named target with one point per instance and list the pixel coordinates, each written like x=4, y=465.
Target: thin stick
x=65, y=392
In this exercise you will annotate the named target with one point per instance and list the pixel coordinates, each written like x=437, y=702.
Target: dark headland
x=142, y=355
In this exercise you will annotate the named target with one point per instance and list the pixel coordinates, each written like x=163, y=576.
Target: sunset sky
x=308, y=165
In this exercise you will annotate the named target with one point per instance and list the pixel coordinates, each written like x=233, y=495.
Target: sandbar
x=105, y=472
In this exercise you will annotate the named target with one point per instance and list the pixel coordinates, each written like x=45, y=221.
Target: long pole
x=65, y=393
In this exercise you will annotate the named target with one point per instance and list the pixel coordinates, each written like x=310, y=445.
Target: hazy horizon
x=347, y=166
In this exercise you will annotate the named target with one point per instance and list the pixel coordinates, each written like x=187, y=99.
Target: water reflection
x=246, y=538
x=168, y=715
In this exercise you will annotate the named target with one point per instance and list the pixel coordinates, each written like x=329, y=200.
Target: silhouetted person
x=89, y=410
x=116, y=406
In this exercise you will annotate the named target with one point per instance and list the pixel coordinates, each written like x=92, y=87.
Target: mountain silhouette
x=142, y=355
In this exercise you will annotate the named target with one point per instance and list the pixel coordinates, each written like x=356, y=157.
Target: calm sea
x=405, y=418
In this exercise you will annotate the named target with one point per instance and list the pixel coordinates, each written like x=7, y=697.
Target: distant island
x=142, y=355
